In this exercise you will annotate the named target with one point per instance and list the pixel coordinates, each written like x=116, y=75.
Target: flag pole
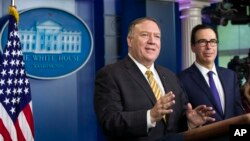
x=13, y=11
x=12, y=2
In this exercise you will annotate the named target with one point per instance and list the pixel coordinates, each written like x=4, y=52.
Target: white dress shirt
x=143, y=69
x=217, y=82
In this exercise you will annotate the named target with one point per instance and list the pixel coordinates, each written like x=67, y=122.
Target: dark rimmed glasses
x=204, y=42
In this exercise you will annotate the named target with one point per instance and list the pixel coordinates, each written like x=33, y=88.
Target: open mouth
x=150, y=49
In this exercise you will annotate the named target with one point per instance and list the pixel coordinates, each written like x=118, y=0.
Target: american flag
x=16, y=116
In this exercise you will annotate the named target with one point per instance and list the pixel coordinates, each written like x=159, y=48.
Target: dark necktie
x=214, y=91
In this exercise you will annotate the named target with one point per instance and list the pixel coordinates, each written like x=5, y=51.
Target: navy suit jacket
x=123, y=96
x=199, y=93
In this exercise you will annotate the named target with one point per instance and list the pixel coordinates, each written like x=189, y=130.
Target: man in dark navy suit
x=126, y=106
x=196, y=81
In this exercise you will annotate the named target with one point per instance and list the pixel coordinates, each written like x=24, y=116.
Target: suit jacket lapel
x=201, y=82
x=164, y=80
x=138, y=77
x=224, y=87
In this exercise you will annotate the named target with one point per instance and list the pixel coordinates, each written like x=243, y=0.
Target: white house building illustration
x=51, y=38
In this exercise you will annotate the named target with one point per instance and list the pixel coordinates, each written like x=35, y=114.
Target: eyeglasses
x=204, y=42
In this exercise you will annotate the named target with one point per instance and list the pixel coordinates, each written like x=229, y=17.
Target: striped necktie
x=155, y=88
x=153, y=84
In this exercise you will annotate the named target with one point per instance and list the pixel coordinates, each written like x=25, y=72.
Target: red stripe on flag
x=19, y=132
x=28, y=115
x=4, y=132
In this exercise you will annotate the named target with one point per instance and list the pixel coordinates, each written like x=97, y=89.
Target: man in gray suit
x=126, y=106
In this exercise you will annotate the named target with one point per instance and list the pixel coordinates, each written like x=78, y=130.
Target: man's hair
x=137, y=21
x=197, y=28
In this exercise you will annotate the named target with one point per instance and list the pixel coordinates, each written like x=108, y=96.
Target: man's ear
x=129, y=41
x=193, y=48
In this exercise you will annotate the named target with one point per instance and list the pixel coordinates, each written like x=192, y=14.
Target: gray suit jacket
x=123, y=96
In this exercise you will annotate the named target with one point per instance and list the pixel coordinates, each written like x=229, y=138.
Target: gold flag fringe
x=14, y=12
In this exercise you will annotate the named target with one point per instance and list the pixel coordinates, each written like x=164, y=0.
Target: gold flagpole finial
x=13, y=11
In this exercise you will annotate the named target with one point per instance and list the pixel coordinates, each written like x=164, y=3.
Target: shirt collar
x=141, y=66
x=204, y=70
